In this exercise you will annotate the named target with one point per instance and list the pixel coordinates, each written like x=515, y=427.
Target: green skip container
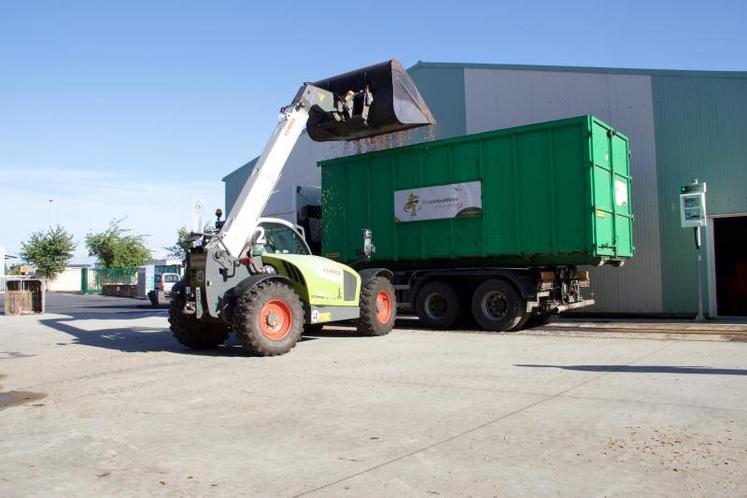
x=548, y=194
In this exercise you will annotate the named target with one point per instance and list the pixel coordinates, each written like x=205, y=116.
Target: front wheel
x=378, y=307
x=268, y=319
x=496, y=305
x=193, y=333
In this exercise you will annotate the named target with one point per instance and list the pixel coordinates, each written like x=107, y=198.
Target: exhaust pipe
x=378, y=99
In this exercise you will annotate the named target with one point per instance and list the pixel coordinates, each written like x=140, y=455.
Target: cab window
x=283, y=240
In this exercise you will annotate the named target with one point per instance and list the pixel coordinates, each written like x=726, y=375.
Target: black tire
x=153, y=298
x=378, y=307
x=540, y=319
x=268, y=319
x=497, y=306
x=522, y=324
x=193, y=333
x=437, y=305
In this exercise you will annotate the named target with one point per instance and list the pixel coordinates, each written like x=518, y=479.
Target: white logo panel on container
x=455, y=200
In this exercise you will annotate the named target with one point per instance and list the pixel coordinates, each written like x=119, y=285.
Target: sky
x=132, y=109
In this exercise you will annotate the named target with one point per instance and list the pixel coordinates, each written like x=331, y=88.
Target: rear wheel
x=268, y=319
x=378, y=307
x=522, y=323
x=193, y=333
x=496, y=305
x=437, y=305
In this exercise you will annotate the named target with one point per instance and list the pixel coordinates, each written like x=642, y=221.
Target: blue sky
x=133, y=108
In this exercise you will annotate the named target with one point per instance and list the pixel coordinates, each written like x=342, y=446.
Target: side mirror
x=368, y=247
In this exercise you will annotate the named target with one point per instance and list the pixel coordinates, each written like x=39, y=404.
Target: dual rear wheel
x=495, y=305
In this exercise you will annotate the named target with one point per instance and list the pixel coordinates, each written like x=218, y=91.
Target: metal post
x=700, y=317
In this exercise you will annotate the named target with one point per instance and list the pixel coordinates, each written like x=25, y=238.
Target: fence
x=102, y=280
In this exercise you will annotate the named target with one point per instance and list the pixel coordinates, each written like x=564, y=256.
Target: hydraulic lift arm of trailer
x=241, y=223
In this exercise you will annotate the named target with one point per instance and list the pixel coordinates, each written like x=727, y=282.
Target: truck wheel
x=522, y=323
x=540, y=319
x=437, y=305
x=268, y=319
x=496, y=305
x=193, y=333
x=378, y=307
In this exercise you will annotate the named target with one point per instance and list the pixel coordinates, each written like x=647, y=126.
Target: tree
x=49, y=251
x=180, y=248
x=115, y=248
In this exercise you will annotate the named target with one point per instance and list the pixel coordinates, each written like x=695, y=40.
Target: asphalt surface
x=97, y=399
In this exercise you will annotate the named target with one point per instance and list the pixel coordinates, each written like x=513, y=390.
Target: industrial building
x=681, y=124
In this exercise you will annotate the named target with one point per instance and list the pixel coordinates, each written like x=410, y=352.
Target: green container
x=555, y=193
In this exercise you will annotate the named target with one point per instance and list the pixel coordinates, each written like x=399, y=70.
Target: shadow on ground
x=697, y=370
x=135, y=339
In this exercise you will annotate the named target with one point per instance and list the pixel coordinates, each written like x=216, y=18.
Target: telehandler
x=256, y=276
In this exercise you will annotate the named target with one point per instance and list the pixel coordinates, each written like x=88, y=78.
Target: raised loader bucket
x=395, y=104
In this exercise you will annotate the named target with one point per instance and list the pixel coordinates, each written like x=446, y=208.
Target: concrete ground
x=98, y=400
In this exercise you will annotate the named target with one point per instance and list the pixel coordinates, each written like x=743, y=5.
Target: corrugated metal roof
x=240, y=169
x=680, y=73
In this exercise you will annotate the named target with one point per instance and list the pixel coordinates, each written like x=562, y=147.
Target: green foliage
x=180, y=248
x=49, y=251
x=116, y=248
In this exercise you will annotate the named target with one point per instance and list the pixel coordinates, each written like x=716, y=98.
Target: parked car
x=166, y=281
x=162, y=292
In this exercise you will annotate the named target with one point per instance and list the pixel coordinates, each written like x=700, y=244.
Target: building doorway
x=730, y=257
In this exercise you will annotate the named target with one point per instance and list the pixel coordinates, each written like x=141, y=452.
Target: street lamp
x=49, y=213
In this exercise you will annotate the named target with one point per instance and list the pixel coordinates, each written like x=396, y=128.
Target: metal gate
x=93, y=280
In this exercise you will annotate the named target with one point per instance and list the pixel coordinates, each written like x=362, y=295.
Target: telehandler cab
x=256, y=276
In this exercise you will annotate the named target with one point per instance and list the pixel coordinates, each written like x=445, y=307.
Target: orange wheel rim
x=275, y=319
x=383, y=307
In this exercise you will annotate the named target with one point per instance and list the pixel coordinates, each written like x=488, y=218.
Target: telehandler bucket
x=382, y=99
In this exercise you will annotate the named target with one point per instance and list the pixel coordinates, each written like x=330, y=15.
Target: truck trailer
x=492, y=225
